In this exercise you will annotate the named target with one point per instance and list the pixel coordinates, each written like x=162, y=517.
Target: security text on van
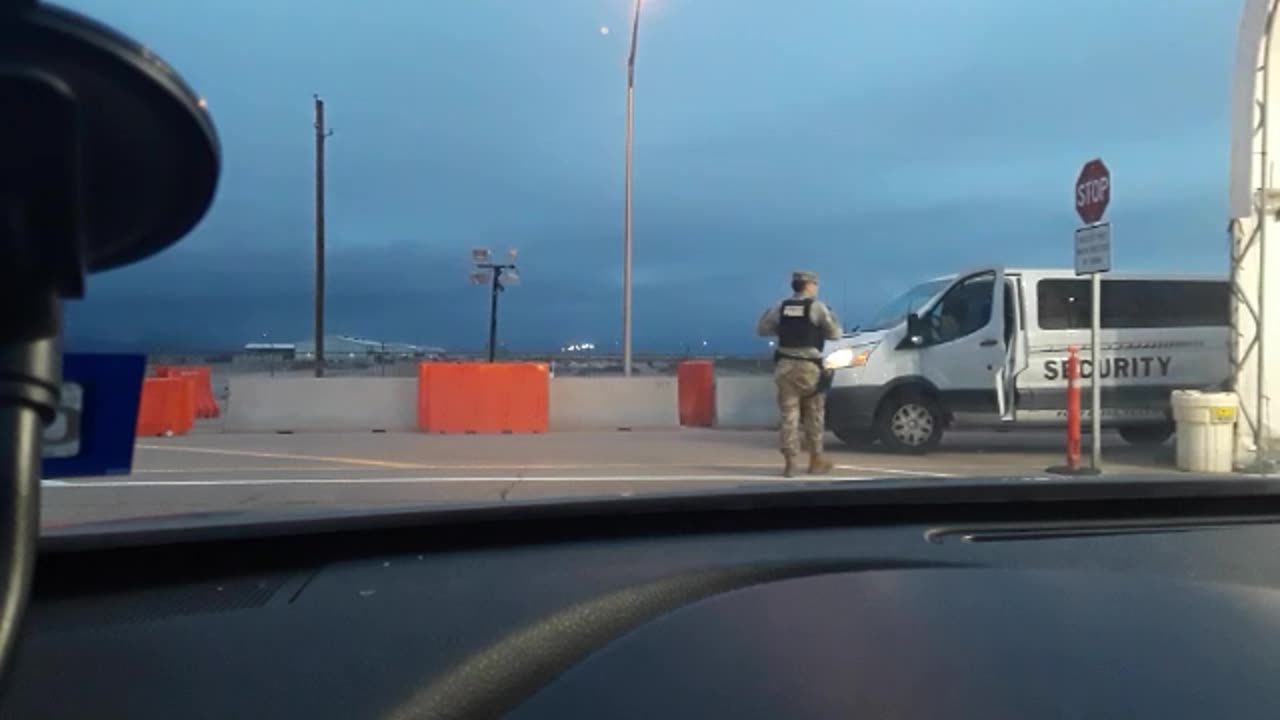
x=1118, y=367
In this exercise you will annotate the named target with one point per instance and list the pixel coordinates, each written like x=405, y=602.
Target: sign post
x=1093, y=258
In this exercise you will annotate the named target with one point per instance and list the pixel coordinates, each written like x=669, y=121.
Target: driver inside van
x=962, y=313
x=950, y=319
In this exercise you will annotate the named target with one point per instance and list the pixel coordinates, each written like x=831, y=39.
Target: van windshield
x=910, y=301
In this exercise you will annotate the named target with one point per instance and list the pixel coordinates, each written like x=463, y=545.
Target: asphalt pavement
x=212, y=472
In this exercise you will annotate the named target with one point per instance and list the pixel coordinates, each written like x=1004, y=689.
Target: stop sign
x=1093, y=191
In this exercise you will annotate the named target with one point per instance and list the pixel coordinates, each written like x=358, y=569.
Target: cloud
x=879, y=143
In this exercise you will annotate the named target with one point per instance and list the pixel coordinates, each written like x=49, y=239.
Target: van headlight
x=847, y=358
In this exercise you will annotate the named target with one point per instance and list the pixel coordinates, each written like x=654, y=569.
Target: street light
x=626, y=203
x=484, y=270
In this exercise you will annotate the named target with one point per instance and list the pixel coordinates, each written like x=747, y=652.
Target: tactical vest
x=795, y=329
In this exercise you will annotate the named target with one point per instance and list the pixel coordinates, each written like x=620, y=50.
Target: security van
x=989, y=348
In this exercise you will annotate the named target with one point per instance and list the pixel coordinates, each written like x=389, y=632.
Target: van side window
x=1008, y=312
x=1066, y=304
x=965, y=309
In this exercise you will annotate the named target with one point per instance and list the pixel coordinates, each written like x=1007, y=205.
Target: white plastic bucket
x=1206, y=430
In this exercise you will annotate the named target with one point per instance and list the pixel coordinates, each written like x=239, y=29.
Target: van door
x=1015, y=350
x=963, y=348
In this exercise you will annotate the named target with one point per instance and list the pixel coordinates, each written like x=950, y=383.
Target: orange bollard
x=1073, y=409
x=1072, y=373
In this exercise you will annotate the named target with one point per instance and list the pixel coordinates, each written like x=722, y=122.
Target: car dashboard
x=903, y=600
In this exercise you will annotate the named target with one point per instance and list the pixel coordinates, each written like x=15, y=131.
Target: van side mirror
x=917, y=331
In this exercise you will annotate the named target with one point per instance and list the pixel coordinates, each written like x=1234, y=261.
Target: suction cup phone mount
x=106, y=157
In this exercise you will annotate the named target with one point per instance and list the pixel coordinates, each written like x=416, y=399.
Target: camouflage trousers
x=803, y=408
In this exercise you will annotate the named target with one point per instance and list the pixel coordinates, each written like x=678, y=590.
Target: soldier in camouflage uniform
x=802, y=324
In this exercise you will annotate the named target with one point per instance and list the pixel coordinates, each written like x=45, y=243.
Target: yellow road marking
x=264, y=468
x=283, y=456
x=364, y=462
x=342, y=460
x=99, y=484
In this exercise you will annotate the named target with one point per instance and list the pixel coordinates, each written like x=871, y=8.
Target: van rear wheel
x=1147, y=434
x=910, y=422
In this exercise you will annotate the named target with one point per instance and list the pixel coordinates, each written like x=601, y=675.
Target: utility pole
x=321, y=134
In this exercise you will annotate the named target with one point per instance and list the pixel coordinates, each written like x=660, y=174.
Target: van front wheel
x=910, y=422
x=1147, y=434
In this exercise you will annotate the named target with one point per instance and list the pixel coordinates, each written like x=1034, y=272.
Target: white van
x=989, y=348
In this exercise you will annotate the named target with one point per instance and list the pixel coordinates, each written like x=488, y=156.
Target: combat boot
x=788, y=466
x=819, y=464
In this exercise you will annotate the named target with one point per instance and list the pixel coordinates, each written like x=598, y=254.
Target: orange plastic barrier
x=206, y=405
x=482, y=397
x=167, y=406
x=695, y=383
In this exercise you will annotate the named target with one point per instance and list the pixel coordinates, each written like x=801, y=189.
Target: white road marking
x=896, y=471
x=259, y=482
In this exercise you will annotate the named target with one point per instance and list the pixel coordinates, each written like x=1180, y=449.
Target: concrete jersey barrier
x=275, y=404
x=636, y=403
x=268, y=404
x=746, y=402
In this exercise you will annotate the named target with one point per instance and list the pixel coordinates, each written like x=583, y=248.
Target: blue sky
x=878, y=143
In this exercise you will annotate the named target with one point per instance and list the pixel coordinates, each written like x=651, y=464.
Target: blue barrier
x=93, y=433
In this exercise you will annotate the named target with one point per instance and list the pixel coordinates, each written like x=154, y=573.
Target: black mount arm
x=42, y=243
x=106, y=157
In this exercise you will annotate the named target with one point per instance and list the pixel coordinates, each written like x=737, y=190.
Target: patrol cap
x=804, y=276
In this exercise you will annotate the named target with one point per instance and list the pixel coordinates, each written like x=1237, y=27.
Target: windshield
x=908, y=302
x=461, y=253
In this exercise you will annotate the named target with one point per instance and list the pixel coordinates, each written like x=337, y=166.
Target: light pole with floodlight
x=485, y=270
x=626, y=203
